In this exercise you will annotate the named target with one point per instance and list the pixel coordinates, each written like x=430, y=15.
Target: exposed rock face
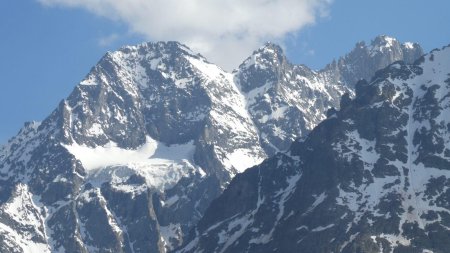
x=130, y=161
x=285, y=101
x=364, y=60
x=373, y=177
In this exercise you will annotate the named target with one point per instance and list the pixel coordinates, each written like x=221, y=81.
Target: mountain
x=132, y=158
x=287, y=101
x=364, y=60
x=373, y=177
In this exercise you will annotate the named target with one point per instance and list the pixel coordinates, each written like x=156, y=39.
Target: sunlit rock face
x=372, y=177
x=132, y=158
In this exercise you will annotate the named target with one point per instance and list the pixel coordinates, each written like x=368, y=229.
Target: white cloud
x=108, y=40
x=225, y=31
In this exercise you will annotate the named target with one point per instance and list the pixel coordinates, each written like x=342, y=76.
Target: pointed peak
x=271, y=46
x=161, y=45
x=158, y=55
x=270, y=49
x=383, y=44
x=268, y=56
x=410, y=45
x=158, y=48
x=384, y=40
x=380, y=41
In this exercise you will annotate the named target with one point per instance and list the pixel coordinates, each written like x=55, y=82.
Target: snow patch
x=408, y=45
x=242, y=159
x=161, y=165
x=318, y=200
x=211, y=71
x=168, y=233
x=111, y=155
x=321, y=228
x=23, y=210
x=90, y=80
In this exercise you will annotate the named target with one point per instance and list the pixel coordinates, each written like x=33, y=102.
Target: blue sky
x=45, y=50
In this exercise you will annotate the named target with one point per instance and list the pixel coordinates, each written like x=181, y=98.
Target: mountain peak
x=272, y=51
x=156, y=128
x=157, y=45
x=152, y=51
x=367, y=179
x=364, y=59
x=384, y=40
x=389, y=45
x=383, y=44
x=268, y=56
x=271, y=47
x=410, y=45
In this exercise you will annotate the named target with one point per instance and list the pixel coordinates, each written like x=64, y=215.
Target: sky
x=48, y=46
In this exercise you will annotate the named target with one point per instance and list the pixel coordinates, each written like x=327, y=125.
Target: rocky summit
x=373, y=177
x=132, y=158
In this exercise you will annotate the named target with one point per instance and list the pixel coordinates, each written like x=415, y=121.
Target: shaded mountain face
x=373, y=177
x=130, y=161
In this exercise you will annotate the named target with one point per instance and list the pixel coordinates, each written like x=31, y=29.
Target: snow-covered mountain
x=287, y=101
x=364, y=60
x=130, y=161
x=373, y=177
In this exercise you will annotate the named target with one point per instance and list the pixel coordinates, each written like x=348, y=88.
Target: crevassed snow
x=111, y=154
x=161, y=165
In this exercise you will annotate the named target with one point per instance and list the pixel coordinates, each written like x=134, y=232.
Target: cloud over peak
x=225, y=31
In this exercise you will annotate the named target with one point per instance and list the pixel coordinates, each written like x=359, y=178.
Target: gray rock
x=373, y=177
x=200, y=126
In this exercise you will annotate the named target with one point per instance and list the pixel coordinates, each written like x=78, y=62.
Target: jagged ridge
x=373, y=177
x=185, y=127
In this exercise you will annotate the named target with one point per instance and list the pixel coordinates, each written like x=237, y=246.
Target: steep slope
x=287, y=101
x=145, y=142
x=364, y=60
x=284, y=100
x=373, y=177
